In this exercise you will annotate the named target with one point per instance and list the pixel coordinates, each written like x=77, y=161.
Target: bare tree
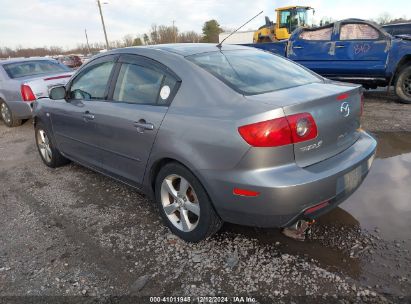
x=128, y=40
x=154, y=35
x=326, y=20
x=384, y=18
x=146, y=39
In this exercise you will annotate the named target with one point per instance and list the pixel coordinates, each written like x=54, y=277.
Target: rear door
x=140, y=94
x=360, y=50
x=74, y=118
x=313, y=49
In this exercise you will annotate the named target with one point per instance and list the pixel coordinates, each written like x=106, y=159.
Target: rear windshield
x=30, y=68
x=253, y=72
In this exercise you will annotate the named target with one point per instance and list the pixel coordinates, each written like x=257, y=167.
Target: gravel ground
x=383, y=112
x=74, y=233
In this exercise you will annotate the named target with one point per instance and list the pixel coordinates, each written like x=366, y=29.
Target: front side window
x=253, y=71
x=142, y=85
x=319, y=34
x=33, y=67
x=358, y=31
x=92, y=83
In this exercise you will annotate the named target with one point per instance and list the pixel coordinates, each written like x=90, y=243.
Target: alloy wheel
x=180, y=203
x=5, y=113
x=43, y=143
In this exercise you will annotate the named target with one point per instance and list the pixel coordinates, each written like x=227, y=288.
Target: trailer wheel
x=403, y=85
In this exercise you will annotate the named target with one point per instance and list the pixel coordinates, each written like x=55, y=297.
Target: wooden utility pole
x=88, y=45
x=102, y=21
x=174, y=32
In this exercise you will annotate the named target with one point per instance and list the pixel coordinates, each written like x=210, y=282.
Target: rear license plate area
x=349, y=181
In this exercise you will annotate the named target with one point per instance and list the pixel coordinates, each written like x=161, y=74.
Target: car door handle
x=142, y=125
x=88, y=116
x=297, y=47
x=340, y=46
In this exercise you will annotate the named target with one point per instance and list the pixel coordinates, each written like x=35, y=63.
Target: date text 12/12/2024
x=236, y=299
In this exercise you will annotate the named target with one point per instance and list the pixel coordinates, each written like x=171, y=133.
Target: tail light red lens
x=280, y=131
x=270, y=133
x=27, y=93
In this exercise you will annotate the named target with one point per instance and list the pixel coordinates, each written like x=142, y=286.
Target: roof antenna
x=221, y=43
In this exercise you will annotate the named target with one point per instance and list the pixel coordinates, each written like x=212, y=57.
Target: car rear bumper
x=20, y=109
x=286, y=192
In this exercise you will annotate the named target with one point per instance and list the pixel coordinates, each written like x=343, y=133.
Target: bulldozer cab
x=290, y=18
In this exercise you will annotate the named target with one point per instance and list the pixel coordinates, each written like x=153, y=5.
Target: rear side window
x=142, y=85
x=92, y=83
x=253, y=72
x=31, y=68
x=320, y=34
x=358, y=31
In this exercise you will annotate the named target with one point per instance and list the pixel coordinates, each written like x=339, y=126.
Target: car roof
x=186, y=49
x=353, y=20
x=15, y=60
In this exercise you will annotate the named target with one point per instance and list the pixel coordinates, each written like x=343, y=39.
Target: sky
x=38, y=23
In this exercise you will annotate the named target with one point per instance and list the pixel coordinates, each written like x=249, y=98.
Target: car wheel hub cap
x=5, y=113
x=180, y=203
x=44, y=146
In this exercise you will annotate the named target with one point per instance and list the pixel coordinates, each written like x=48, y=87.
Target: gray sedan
x=24, y=80
x=211, y=133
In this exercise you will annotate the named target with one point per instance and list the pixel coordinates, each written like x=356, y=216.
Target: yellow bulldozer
x=288, y=19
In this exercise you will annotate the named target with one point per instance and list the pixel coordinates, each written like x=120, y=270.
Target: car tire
x=188, y=212
x=49, y=154
x=403, y=85
x=7, y=116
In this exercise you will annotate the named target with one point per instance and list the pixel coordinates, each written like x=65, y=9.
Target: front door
x=74, y=118
x=140, y=94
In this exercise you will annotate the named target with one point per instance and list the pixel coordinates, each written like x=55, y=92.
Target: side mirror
x=57, y=93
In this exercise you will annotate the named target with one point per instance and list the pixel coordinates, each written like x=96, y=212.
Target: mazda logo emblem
x=345, y=109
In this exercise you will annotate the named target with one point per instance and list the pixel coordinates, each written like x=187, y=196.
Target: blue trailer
x=351, y=50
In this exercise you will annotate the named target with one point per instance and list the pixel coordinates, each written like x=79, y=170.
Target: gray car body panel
x=200, y=130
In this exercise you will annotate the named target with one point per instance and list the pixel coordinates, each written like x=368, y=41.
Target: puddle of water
x=384, y=199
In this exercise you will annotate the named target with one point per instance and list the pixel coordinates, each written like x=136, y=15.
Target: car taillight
x=27, y=93
x=280, y=131
x=362, y=104
x=302, y=126
x=270, y=133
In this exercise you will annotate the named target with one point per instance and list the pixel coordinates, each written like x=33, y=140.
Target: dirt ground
x=383, y=112
x=70, y=235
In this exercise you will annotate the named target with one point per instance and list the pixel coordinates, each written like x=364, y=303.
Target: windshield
x=253, y=72
x=294, y=18
x=33, y=67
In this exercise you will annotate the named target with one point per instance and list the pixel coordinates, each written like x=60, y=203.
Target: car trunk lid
x=41, y=85
x=336, y=110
